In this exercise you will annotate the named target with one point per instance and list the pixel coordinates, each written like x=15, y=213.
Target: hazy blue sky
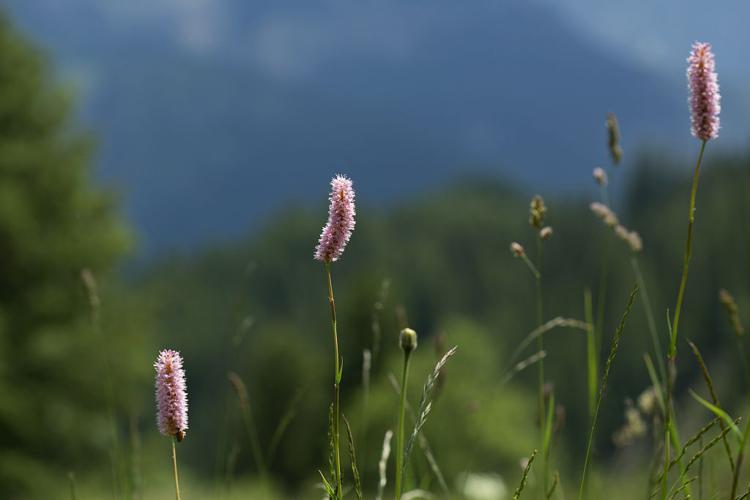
x=213, y=114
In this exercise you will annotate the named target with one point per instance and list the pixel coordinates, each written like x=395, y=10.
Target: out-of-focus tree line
x=78, y=335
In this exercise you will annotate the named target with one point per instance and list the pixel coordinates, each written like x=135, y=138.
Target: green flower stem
x=670, y=427
x=688, y=254
x=649, y=317
x=602, y=291
x=400, y=436
x=540, y=365
x=174, y=469
x=603, y=388
x=740, y=458
x=336, y=384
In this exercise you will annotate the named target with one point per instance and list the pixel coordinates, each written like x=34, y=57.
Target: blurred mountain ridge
x=212, y=115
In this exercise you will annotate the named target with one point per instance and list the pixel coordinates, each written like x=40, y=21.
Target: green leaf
x=353, y=459
x=655, y=382
x=329, y=489
x=719, y=413
x=548, y=426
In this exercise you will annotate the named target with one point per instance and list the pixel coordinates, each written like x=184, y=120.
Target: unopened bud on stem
x=600, y=176
x=408, y=340
x=537, y=211
x=613, y=138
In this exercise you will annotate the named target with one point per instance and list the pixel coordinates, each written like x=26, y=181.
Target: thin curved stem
x=336, y=384
x=688, y=254
x=400, y=435
x=603, y=388
x=671, y=430
x=740, y=458
x=649, y=316
x=174, y=469
x=540, y=365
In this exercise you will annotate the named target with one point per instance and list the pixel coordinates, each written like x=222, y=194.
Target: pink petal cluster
x=704, y=92
x=338, y=229
x=171, y=394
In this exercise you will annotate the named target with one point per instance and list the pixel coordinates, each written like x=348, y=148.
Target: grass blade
x=685, y=485
x=719, y=413
x=695, y=438
x=591, y=352
x=603, y=387
x=247, y=418
x=555, y=482
x=522, y=365
x=524, y=477
x=655, y=382
x=327, y=486
x=424, y=444
x=72, y=483
x=558, y=322
x=353, y=459
x=714, y=397
x=331, y=446
x=286, y=419
x=548, y=426
x=649, y=316
x=382, y=464
x=425, y=403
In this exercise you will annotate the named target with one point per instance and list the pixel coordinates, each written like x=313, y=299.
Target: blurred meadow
x=523, y=176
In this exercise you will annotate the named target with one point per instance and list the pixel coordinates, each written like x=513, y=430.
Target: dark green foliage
x=259, y=307
x=447, y=257
x=54, y=385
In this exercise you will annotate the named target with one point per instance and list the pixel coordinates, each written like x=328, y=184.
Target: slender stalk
x=366, y=368
x=531, y=266
x=714, y=398
x=336, y=383
x=605, y=194
x=525, y=476
x=400, y=435
x=591, y=352
x=174, y=469
x=649, y=316
x=72, y=482
x=667, y=459
x=601, y=299
x=115, y=455
x=688, y=254
x=672, y=352
x=247, y=417
x=603, y=387
x=540, y=365
x=700, y=473
x=740, y=458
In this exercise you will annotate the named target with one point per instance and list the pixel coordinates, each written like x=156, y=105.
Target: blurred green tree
x=56, y=368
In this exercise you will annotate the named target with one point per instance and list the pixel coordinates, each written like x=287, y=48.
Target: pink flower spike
x=704, y=100
x=338, y=229
x=171, y=394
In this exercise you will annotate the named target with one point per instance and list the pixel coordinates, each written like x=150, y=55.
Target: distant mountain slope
x=212, y=115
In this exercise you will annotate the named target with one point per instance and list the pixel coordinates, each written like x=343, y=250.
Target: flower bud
x=613, y=138
x=537, y=211
x=408, y=340
x=545, y=233
x=600, y=176
x=604, y=213
x=733, y=311
x=516, y=249
x=635, y=242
